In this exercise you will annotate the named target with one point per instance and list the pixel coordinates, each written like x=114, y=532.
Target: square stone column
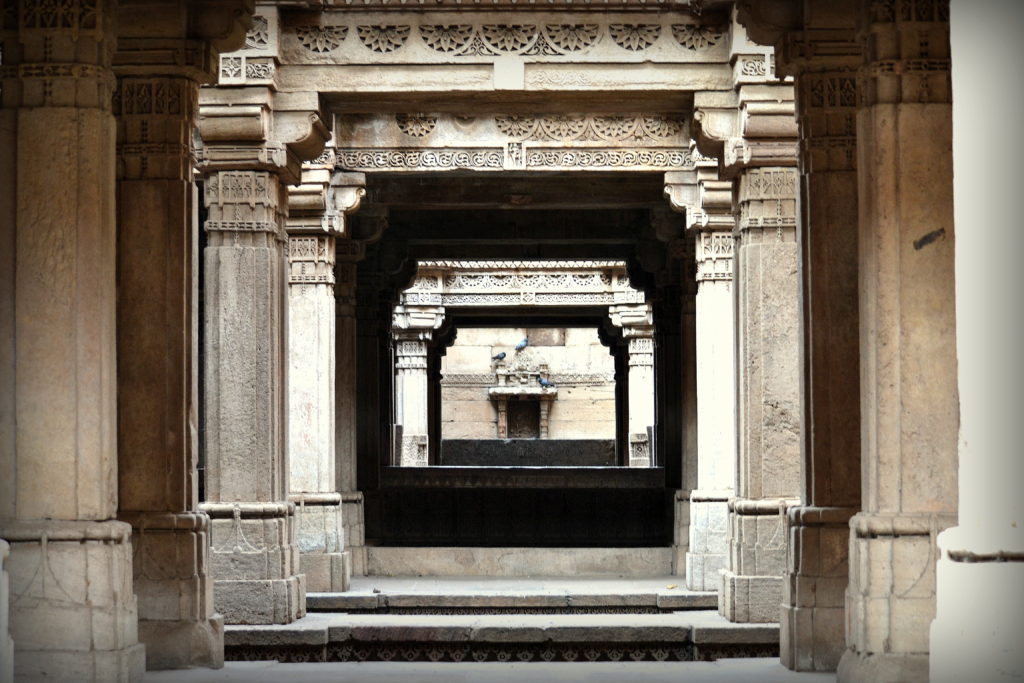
x=976, y=634
x=707, y=201
x=909, y=406
x=317, y=209
x=72, y=609
x=255, y=559
x=768, y=399
x=157, y=374
x=347, y=253
x=412, y=328
x=812, y=636
x=638, y=331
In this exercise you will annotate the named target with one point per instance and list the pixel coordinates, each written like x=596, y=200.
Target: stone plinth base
x=709, y=541
x=327, y=572
x=256, y=562
x=750, y=590
x=273, y=601
x=749, y=599
x=979, y=617
x=177, y=622
x=355, y=530
x=6, y=644
x=73, y=613
x=321, y=539
x=890, y=600
x=183, y=644
x=681, y=532
x=813, y=595
x=857, y=667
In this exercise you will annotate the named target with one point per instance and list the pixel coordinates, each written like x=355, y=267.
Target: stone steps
x=513, y=562
x=522, y=619
x=673, y=636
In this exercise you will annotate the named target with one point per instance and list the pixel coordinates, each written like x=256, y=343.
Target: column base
x=858, y=667
x=183, y=644
x=268, y=601
x=321, y=541
x=812, y=631
x=681, y=533
x=256, y=562
x=170, y=561
x=355, y=530
x=327, y=572
x=73, y=615
x=749, y=599
x=709, y=540
x=979, y=616
x=890, y=599
x=6, y=644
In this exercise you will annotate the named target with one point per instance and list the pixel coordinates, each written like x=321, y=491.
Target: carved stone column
x=708, y=203
x=768, y=397
x=638, y=329
x=818, y=559
x=347, y=253
x=73, y=613
x=976, y=634
x=317, y=209
x=412, y=329
x=909, y=406
x=159, y=73
x=251, y=150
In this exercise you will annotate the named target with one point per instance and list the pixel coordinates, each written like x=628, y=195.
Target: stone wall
x=580, y=366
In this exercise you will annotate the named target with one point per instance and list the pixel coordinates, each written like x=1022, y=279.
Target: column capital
x=414, y=322
x=323, y=198
x=702, y=195
x=635, y=320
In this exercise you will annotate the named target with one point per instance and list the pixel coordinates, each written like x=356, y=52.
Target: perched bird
x=546, y=383
x=523, y=344
x=500, y=356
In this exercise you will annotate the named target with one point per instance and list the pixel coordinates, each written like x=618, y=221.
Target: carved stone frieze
x=521, y=284
x=438, y=37
x=536, y=142
x=767, y=199
x=310, y=260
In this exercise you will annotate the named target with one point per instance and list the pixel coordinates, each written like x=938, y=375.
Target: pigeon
x=546, y=383
x=500, y=356
x=523, y=344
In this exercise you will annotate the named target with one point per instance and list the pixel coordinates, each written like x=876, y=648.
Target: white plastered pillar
x=976, y=634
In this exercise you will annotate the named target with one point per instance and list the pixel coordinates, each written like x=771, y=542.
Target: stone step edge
x=410, y=628
x=383, y=600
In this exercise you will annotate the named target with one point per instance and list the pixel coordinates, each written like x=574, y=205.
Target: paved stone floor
x=722, y=671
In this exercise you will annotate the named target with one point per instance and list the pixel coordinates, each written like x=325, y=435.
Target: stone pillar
x=347, y=253
x=976, y=634
x=818, y=530
x=413, y=327
x=638, y=330
x=768, y=399
x=253, y=146
x=708, y=204
x=156, y=107
x=909, y=406
x=716, y=411
x=317, y=209
x=6, y=644
x=73, y=613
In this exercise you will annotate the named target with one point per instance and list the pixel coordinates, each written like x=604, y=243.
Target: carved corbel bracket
x=321, y=201
x=222, y=22
x=416, y=322
x=635, y=320
x=767, y=21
